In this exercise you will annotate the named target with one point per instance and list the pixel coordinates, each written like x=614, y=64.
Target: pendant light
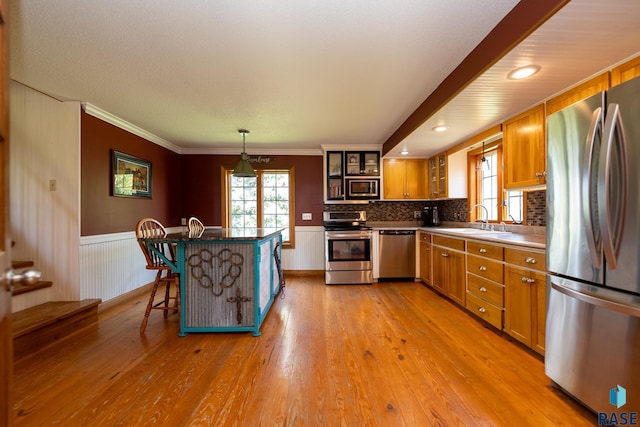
x=243, y=169
x=484, y=163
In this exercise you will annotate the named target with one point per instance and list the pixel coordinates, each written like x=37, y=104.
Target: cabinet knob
x=482, y=310
x=525, y=279
x=482, y=289
x=530, y=280
x=482, y=268
x=529, y=260
x=482, y=250
x=540, y=174
x=445, y=255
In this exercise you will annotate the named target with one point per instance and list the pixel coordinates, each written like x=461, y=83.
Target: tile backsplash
x=449, y=210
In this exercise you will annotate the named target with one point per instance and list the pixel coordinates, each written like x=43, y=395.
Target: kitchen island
x=228, y=278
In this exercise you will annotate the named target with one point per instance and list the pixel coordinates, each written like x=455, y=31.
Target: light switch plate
x=306, y=216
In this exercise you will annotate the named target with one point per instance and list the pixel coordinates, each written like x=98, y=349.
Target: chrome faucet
x=485, y=223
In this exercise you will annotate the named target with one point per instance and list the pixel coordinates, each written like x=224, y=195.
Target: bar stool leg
x=154, y=289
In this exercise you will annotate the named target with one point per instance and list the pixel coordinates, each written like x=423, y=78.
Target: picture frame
x=131, y=176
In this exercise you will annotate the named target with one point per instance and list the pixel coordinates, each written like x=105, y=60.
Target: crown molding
x=101, y=114
x=255, y=151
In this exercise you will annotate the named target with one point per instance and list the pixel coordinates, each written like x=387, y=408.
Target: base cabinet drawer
x=484, y=310
x=486, y=290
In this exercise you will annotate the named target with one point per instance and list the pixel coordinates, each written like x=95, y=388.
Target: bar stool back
x=196, y=227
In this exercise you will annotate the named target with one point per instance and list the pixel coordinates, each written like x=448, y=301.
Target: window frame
x=226, y=206
x=474, y=156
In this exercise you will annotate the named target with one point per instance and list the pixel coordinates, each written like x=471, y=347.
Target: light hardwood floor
x=389, y=354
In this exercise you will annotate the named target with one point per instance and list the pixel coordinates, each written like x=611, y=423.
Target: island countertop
x=215, y=234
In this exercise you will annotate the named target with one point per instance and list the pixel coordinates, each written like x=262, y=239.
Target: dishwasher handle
x=398, y=232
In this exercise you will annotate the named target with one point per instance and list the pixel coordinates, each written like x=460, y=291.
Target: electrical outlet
x=416, y=214
x=306, y=216
x=183, y=221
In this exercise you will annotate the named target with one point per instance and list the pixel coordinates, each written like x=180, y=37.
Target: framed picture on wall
x=131, y=176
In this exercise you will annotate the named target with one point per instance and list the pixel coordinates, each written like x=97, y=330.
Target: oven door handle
x=348, y=236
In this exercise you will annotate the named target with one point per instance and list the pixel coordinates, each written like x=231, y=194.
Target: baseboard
x=303, y=273
x=114, y=302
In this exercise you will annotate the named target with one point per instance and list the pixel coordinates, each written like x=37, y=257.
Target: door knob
x=27, y=277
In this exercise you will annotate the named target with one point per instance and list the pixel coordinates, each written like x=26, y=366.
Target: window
x=265, y=201
x=501, y=204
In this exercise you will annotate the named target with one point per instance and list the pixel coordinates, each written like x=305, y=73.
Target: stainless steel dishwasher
x=397, y=254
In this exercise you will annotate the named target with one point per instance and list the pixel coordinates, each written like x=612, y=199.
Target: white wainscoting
x=112, y=264
x=309, y=251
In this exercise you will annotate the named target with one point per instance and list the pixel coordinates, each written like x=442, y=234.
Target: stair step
x=39, y=326
x=19, y=288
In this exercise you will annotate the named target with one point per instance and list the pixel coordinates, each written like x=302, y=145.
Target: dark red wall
x=202, y=176
x=182, y=185
x=102, y=213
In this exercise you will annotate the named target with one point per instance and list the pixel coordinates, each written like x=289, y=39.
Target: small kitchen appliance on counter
x=430, y=216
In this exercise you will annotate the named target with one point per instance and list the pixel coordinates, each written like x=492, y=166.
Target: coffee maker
x=430, y=216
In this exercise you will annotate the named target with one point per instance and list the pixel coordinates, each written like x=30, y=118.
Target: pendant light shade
x=243, y=169
x=484, y=163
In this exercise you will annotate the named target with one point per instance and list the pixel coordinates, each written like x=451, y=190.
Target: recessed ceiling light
x=404, y=152
x=440, y=128
x=523, y=72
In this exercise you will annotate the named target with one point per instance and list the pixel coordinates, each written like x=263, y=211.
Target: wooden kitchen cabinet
x=625, y=72
x=448, y=176
x=524, y=149
x=405, y=179
x=485, y=289
x=448, y=267
x=578, y=93
x=438, y=176
x=525, y=297
x=425, y=258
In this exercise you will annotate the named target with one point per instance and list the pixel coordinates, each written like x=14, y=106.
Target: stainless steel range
x=347, y=248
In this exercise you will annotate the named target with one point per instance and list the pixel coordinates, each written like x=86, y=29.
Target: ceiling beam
x=521, y=21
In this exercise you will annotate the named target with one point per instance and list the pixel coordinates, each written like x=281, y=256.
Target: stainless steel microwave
x=363, y=188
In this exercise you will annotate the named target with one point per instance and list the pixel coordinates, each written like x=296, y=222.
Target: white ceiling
x=302, y=74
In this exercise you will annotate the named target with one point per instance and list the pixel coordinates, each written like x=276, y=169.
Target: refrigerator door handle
x=612, y=203
x=592, y=229
x=598, y=301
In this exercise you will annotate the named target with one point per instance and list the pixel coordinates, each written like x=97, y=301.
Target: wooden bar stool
x=195, y=226
x=150, y=228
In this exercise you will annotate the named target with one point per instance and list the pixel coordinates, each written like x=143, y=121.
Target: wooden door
x=425, y=262
x=439, y=257
x=457, y=288
x=394, y=179
x=525, y=149
x=6, y=342
x=417, y=178
x=518, y=304
x=539, y=311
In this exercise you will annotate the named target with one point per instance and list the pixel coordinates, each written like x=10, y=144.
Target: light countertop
x=528, y=236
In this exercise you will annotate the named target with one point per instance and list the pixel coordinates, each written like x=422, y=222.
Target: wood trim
x=519, y=23
x=482, y=136
x=224, y=205
x=582, y=91
x=626, y=71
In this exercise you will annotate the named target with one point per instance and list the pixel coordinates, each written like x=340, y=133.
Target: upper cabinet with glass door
x=362, y=163
x=335, y=175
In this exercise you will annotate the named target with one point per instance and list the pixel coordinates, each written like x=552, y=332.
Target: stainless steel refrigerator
x=593, y=249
